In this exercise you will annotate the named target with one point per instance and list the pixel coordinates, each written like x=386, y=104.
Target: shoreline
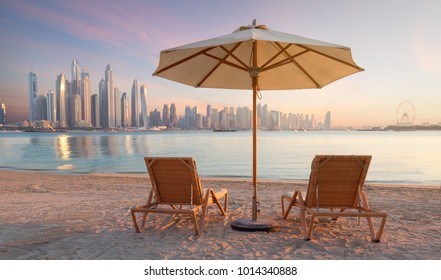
x=434, y=185
x=83, y=217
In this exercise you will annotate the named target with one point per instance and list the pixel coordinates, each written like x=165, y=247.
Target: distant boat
x=224, y=130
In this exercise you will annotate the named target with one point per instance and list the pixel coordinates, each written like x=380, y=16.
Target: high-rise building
x=102, y=102
x=2, y=113
x=41, y=108
x=51, y=106
x=95, y=110
x=75, y=110
x=135, y=104
x=76, y=81
x=110, y=97
x=143, y=94
x=166, y=115
x=118, y=107
x=61, y=100
x=155, y=118
x=125, y=112
x=107, y=99
x=173, y=116
x=85, y=95
x=328, y=120
x=33, y=90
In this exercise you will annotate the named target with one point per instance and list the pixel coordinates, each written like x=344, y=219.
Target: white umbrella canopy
x=285, y=61
x=254, y=57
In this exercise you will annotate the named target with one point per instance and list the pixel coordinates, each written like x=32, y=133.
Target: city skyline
x=72, y=106
x=400, y=58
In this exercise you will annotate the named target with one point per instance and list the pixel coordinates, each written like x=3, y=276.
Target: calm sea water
x=404, y=157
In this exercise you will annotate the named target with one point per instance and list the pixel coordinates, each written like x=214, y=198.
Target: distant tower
x=102, y=104
x=125, y=116
x=107, y=95
x=75, y=82
x=118, y=108
x=110, y=96
x=328, y=120
x=166, y=115
x=41, y=108
x=85, y=95
x=144, y=104
x=61, y=99
x=51, y=106
x=95, y=110
x=2, y=113
x=33, y=89
x=155, y=118
x=135, y=104
x=173, y=116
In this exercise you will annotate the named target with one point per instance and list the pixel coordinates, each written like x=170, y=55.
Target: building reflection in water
x=63, y=148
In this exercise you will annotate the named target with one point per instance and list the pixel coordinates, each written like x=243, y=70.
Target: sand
x=83, y=217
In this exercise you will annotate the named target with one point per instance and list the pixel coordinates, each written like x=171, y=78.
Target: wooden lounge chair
x=335, y=182
x=176, y=184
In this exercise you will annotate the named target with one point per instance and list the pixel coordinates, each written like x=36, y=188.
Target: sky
x=398, y=43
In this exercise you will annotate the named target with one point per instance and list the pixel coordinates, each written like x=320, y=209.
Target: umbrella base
x=251, y=225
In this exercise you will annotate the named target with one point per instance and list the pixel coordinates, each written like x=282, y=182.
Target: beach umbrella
x=256, y=58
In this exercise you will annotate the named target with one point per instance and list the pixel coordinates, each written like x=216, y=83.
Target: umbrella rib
x=285, y=61
x=275, y=56
x=220, y=62
x=226, y=62
x=292, y=60
x=333, y=58
x=184, y=60
x=235, y=57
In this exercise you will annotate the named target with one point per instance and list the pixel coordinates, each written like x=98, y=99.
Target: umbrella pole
x=255, y=200
x=253, y=224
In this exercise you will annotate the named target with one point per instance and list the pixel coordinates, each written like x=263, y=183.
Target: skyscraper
x=2, y=113
x=125, y=116
x=75, y=110
x=155, y=118
x=144, y=104
x=51, y=106
x=41, y=108
x=111, y=98
x=173, y=116
x=107, y=95
x=135, y=104
x=166, y=115
x=118, y=107
x=328, y=120
x=75, y=82
x=102, y=103
x=85, y=95
x=61, y=111
x=33, y=88
x=95, y=110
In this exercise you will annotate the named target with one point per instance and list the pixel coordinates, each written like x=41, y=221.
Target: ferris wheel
x=405, y=113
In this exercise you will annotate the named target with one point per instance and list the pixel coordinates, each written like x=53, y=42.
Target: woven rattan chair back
x=174, y=180
x=336, y=181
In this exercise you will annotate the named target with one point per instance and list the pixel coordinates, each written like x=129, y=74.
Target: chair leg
x=375, y=237
x=291, y=204
x=196, y=226
x=216, y=200
x=138, y=228
x=308, y=229
x=226, y=202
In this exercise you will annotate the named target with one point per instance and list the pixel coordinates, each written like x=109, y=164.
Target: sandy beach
x=84, y=217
